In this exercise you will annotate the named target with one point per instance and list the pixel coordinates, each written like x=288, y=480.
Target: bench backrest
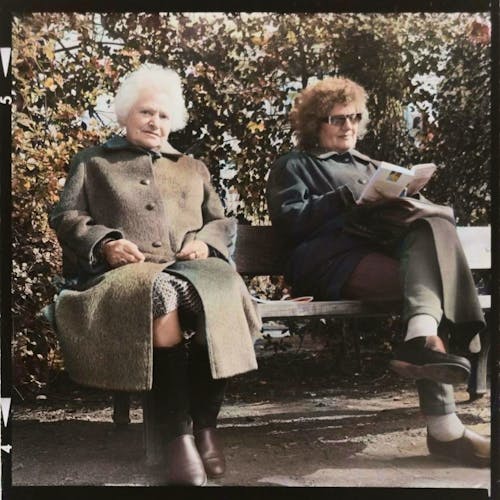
x=260, y=250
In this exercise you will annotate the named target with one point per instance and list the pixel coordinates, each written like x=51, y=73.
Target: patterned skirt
x=171, y=292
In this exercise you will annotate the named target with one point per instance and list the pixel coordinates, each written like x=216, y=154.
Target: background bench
x=261, y=252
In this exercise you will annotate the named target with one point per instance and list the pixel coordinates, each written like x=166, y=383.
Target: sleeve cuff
x=99, y=247
x=346, y=196
x=97, y=255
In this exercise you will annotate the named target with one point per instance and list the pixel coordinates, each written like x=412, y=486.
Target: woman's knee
x=167, y=331
x=376, y=277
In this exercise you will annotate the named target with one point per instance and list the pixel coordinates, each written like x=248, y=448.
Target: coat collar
x=118, y=142
x=352, y=154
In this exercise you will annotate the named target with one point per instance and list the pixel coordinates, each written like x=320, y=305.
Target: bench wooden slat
x=279, y=309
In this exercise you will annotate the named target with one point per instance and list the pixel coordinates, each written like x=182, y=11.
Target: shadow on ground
x=280, y=426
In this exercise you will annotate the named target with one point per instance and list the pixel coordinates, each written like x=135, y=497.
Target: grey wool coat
x=104, y=322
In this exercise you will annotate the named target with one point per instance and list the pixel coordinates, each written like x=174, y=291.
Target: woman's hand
x=121, y=252
x=195, y=249
x=368, y=202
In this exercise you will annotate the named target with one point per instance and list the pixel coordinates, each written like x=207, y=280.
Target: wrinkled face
x=340, y=137
x=148, y=122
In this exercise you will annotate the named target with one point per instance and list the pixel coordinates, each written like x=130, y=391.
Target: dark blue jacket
x=309, y=194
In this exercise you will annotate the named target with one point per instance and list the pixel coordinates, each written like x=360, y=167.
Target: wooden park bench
x=260, y=252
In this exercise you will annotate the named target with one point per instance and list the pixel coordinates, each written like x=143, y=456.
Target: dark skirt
x=322, y=267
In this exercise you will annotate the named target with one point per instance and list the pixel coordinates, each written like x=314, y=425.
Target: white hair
x=151, y=77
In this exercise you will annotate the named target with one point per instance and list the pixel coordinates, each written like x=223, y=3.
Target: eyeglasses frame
x=354, y=118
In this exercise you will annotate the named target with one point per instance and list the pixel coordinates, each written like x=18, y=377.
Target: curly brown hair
x=315, y=103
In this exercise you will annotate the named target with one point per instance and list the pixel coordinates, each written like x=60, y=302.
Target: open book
x=389, y=181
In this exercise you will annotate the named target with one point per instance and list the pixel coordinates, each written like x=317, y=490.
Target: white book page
x=421, y=175
x=388, y=181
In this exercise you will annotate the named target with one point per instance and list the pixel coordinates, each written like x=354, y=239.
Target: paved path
x=316, y=440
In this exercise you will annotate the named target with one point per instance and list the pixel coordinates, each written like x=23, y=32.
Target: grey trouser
x=411, y=273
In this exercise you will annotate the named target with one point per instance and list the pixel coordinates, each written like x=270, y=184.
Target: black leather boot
x=206, y=396
x=170, y=397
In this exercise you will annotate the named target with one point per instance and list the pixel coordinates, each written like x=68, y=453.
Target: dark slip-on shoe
x=414, y=359
x=184, y=464
x=210, y=450
x=471, y=449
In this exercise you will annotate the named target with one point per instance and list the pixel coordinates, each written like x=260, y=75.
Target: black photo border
x=8, y=8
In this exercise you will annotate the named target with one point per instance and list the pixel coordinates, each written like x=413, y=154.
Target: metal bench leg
x=357, y=348
x=121, y=408
x=478, y=378
x=151, y=433
x=350, y=331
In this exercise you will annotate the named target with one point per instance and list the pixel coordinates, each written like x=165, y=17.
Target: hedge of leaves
x=240, y=74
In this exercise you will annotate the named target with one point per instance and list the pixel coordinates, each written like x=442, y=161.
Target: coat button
x=157, y=244
x=150, y=206
x=362, y=181
x=145, y=182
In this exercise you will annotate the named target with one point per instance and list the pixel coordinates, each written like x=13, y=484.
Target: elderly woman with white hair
x=155, y=304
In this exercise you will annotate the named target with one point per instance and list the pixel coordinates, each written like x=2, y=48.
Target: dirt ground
x=300, y=420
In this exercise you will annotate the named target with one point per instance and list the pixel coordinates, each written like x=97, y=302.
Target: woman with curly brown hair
x=313, y=195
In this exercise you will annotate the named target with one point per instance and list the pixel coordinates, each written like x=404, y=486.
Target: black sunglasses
x=339, y=120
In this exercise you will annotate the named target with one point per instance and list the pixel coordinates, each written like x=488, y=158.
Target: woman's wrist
x=101, y=245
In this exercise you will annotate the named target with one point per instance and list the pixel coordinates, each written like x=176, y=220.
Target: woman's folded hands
x=195, y=249
x=121, y=252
